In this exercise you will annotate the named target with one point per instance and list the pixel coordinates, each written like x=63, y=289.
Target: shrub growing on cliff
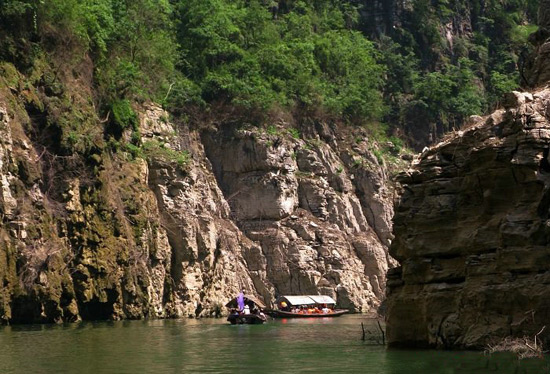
x=124, y=116
x=155, y=150
x=446, y=98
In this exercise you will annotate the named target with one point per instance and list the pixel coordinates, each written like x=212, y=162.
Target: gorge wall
x=472, y=232
x=177, y=227
x=472, y=227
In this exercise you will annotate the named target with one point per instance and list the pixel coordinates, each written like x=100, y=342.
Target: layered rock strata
x=472, y=233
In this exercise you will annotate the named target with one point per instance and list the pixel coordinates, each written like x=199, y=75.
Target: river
x=212, y=346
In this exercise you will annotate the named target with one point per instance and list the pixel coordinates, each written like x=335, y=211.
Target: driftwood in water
x=382, y=332
x=522, y=347
x=372, y=337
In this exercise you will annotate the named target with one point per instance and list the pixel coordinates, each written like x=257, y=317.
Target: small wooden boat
x=307, y=306
x=248, y=319
x=251, y=315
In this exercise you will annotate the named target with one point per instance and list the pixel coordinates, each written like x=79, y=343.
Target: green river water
x=213, y=346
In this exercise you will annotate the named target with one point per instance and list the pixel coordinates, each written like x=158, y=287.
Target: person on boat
x=240, y=301
x=259, y=313
x=246, y=310
x=325, y=309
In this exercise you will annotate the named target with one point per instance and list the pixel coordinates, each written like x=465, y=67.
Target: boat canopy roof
x=306, y=300
x=248, y=300
x=323, y=299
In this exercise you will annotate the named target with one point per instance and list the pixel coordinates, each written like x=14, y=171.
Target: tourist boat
x=307, y=306
x=253, y=316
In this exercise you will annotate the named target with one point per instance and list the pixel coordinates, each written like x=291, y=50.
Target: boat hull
x=283, y=314
x=246, y=319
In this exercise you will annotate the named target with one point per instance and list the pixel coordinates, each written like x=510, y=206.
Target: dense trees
x=308, y=57
x=301, y=55
x=451, y=59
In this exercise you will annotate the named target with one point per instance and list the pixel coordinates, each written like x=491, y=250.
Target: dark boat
x=253, y=315
x=307, y=306
x=248, y=319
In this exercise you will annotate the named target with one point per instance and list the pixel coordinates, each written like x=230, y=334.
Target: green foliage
x=448, y=97
x=295, y=133
x=299, y=56
x=397, y=143
x=9, y=74
x=124, y=116
x=154, y=149
x=501, y=83
x=379, y=154
x=134, y=150
x=14, y=8
x=435, y=82
x=348, y=63
x=272, y=130
x=236, y=52
x=520, y=33
x=132, y=42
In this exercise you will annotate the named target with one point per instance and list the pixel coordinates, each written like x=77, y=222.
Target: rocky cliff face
x=472, y=229
x=95, y=229
x=318, y=210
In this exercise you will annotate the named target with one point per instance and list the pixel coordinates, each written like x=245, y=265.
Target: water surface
x=213, y=346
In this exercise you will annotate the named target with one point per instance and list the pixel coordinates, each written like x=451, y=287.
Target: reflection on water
x=213, y=346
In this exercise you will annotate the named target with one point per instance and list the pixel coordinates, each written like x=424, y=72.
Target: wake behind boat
x=307, y=306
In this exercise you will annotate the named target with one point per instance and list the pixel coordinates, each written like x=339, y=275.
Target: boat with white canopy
x=306, y=306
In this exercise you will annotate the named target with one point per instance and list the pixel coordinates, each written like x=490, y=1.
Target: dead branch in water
x=382, y=332
x=522, y=347
x=371, y=336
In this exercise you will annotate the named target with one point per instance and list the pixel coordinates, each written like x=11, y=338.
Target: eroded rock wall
x=174, y=222
x=318, y=208
x=207, y=263
x=94, y=230
x=472, y=233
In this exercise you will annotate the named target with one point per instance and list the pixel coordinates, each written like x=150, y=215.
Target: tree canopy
x=312, y=56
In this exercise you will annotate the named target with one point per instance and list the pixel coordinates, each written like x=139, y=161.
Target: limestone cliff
x=471, y=233
x=318, y=209
x=163, y=220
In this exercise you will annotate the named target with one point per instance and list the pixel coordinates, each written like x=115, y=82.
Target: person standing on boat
x=240, y=301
